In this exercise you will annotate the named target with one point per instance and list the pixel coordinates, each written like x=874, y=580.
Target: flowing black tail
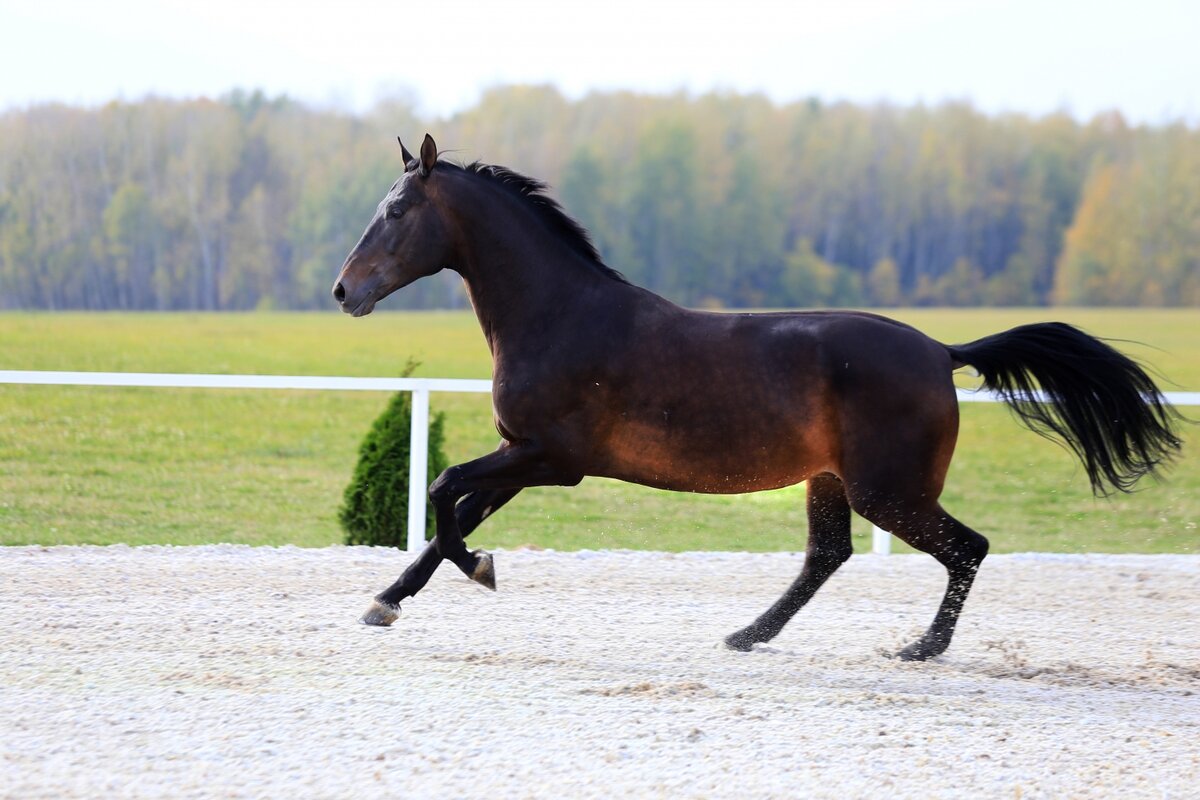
x=1100, y=402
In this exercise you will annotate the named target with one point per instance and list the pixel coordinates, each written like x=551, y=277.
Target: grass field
x=103, y=465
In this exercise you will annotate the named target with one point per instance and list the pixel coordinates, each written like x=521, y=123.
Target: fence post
x=881, y=541
x=418, y=468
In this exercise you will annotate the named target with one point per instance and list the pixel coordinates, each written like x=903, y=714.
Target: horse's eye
x=395, y=212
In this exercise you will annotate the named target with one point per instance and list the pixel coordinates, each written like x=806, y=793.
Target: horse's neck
x=522, y=280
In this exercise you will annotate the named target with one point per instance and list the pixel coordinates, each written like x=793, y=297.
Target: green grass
x=181, y=466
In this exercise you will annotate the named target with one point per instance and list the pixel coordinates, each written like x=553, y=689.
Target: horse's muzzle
x=357, y=304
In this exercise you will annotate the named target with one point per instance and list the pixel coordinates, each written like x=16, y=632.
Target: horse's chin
x=364, y=308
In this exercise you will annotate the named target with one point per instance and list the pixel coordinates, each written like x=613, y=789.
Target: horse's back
x=850, y=351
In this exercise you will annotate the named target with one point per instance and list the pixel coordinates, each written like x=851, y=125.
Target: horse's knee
x=447, y=487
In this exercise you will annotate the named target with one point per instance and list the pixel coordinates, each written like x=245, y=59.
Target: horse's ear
x=428, y=155
x=407, y=156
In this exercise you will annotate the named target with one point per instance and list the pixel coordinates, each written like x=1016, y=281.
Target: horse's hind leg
x=927, y=527
x=828, y=548
x=470, y=511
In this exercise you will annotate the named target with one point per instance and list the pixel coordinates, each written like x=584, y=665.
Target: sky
x=1031, y=56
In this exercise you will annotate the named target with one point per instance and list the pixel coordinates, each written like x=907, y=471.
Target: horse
x=594, y=376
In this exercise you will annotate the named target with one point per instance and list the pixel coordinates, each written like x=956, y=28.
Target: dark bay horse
x=595, y=376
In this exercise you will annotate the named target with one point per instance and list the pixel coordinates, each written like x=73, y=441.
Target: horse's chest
x=526, y=409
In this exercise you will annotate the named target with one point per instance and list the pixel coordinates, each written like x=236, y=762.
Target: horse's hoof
x=381, y=614
x=921, y=650
x=485, y=570
x=742, y=641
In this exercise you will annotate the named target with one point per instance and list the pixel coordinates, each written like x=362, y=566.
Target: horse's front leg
x=470, y=511
x=514, y=466
x=486, y=483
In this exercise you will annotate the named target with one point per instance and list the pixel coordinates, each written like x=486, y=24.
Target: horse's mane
x=534, y=193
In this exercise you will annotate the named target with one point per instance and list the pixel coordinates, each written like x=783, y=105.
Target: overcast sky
x=1035, y=56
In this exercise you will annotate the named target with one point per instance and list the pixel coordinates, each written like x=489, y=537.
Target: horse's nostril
x=339, y=292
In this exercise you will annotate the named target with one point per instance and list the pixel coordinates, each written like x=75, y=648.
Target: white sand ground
x=241, y=672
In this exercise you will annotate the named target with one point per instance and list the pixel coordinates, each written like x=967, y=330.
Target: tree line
x=721, y=199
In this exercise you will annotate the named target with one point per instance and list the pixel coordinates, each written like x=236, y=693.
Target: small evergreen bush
x=375, y=506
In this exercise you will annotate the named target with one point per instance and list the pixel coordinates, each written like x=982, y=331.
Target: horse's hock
x=589, y=674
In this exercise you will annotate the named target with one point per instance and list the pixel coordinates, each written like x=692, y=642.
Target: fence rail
x=420, y=388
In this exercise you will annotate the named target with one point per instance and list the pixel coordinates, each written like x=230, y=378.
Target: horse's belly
x=721, y=461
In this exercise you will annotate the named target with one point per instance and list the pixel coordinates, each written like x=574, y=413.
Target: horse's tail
x=1101, y=403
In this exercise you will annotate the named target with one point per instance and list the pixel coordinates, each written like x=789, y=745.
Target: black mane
x=534, y=193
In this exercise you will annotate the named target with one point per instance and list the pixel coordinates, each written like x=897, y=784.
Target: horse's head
x=405, y=240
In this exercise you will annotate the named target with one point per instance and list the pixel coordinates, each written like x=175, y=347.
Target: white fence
x=881, y=541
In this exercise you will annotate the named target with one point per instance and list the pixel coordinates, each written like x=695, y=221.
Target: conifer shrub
x=374, y=508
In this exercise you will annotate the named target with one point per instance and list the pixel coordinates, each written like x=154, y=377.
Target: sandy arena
x=229, y=671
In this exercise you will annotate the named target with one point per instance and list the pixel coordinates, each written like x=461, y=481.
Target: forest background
x=714, y=200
